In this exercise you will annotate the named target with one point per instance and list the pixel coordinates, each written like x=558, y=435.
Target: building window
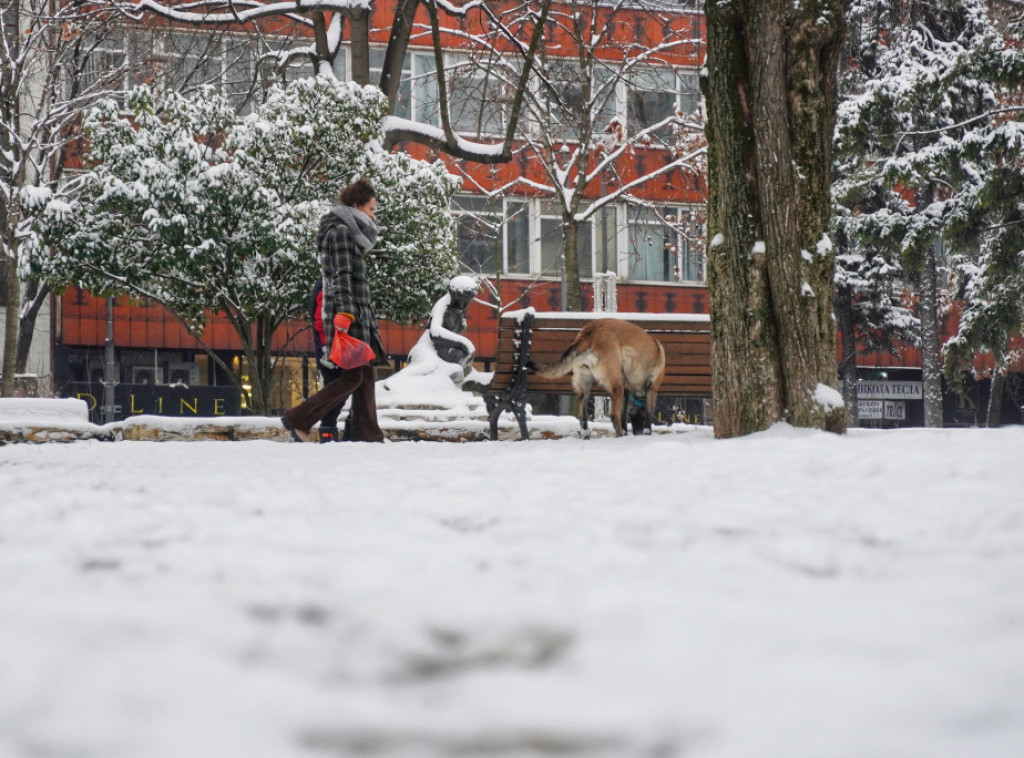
x=656, y=95
x=552, y=243
x=517, y=237
x=651, y=99
x=185, y=61
x=288, y=63
x=689, y=93
x=563, y=98
x=606, y=237
x=479, y=226
x=104, y=67
x=477, y=97
x=341, y=65
x=526, y=237
x=417, y=98
x=177, y=61
x=664, y=245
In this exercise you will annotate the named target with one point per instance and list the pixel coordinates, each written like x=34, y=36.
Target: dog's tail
x=561, y=367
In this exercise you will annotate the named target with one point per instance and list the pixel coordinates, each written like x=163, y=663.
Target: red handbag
x=347, y=351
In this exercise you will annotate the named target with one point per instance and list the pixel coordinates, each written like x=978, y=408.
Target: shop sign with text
x=883, y=390
x=891, y=410
x=136, y=399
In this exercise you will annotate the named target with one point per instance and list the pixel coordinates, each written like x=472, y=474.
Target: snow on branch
x=402, y=129
x=240, y=11
x=967, y=122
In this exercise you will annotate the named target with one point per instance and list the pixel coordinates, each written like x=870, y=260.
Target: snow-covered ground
x=787, y=595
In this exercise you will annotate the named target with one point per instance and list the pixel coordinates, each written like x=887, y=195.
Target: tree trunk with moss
x=771, y=97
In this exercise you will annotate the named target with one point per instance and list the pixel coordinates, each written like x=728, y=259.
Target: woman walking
x=346, y=233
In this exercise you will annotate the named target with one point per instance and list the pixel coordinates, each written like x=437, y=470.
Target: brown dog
x=623, y=359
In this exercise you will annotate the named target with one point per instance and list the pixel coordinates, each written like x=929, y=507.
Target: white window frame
x=494, y=218
x=531, y=236
x=686, y=80
x=626, y=260
x=541, y=216
x=453, y=62
x=422, y=98
x=612, y=111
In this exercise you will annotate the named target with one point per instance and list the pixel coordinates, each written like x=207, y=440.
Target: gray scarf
x=364, y=231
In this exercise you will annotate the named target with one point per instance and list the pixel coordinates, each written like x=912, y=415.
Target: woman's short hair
x=357, y=194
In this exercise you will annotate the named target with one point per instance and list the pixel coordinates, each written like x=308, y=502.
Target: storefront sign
x=869, y=409
x=884, y=390
x=136, y=399
x=895, y=410
x=892, y=410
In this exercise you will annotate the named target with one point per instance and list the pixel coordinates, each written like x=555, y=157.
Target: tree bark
x=398, y=46
x=931, y=348
x=359, y=22
x=570, y=258
x=13, y=285
x=32, y=300
x=771, y=94
x=993, y=414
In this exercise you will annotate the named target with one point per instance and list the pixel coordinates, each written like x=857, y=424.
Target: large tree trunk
x=771, y=94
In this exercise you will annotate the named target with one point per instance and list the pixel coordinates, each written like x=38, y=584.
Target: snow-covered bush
x=202, y=210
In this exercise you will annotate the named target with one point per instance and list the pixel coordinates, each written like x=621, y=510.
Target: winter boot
x=328, y=434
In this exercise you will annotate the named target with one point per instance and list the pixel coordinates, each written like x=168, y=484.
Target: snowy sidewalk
x=788, y=595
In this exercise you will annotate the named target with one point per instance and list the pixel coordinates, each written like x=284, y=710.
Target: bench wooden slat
x=546, y=340
x=687, y=344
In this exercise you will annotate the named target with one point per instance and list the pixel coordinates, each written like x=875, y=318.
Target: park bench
x=543, y=337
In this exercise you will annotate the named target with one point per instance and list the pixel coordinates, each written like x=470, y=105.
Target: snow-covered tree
x=573, y=129
x=919, y=135
x=201, y=210
x=58, y=58
x=870, y=311
x=49, y=72
x=986, y=221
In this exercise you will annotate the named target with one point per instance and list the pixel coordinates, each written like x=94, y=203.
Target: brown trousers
x=357, y=382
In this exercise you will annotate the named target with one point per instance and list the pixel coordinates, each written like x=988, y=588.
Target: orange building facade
x=512, y=241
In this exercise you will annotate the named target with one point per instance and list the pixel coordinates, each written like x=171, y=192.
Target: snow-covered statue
x=448, y=322
x=440, y=360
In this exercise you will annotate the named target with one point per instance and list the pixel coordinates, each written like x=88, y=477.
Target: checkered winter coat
x=346, y=289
